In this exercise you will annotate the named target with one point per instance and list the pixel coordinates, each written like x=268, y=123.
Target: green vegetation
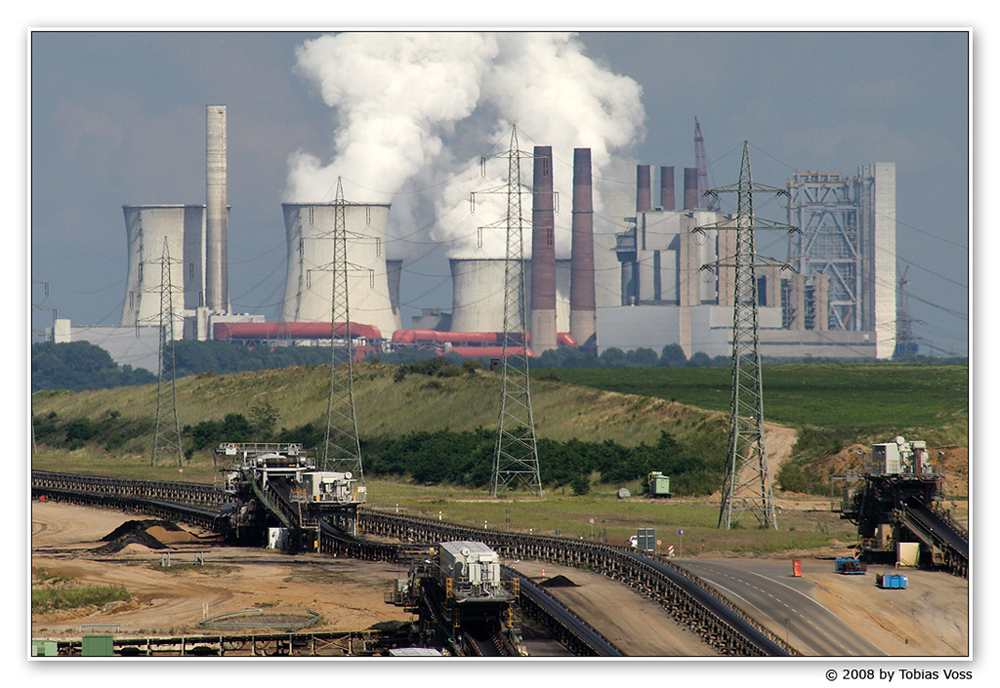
x=848, y=396
x=78, y=366
x=564, y=514
x=49, y=599
x=290, y=405
x=466, y=459
x=831, y=406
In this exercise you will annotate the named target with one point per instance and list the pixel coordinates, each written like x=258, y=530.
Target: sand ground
x=931, y=618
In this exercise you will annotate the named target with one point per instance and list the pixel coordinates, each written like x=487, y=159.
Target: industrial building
x=650, y=276
x=838, y=300
x=180, y=248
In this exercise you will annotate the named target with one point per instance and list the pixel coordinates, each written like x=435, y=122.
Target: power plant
x=838, y=301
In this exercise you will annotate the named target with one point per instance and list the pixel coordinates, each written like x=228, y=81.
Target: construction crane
x=699, y=154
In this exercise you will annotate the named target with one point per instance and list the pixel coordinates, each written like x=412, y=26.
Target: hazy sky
x=118, y=118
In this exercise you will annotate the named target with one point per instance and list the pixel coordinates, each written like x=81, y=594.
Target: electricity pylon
x=515, y=459
x=747, y=483
x=341, y=444
x=167, y=435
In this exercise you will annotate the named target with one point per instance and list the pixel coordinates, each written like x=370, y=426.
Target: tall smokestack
x=582, y=292
x=543, y=255
x=216, y=212
x=690, y=188
x=643, y=201
x=667, y=188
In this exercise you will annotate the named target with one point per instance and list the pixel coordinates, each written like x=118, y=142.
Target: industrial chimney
x=667, y=188
x=543, y=255
x=216, y=213
x=690, y=188
x=643, y=202
x=582, y=292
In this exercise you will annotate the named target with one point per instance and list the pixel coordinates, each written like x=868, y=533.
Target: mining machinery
x=896, y=507
x=276, y=488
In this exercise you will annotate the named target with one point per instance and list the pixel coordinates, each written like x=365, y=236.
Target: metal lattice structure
x=824, y=209
x=167, y=434
x=516, y=455
x=341, y=444
x=747, y=483
x=712, y=202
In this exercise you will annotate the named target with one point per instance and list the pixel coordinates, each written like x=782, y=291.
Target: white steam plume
x=395, y=94
x=410, y=104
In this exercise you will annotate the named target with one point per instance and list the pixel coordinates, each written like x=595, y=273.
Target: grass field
x=814, y=526
x=857, y=396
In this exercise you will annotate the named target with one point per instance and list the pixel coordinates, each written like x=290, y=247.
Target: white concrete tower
x=877, y=226
x=217, y=214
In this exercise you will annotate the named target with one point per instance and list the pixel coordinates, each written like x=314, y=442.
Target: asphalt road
x=768, y=592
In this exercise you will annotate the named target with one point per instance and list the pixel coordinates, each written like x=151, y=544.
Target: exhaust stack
x=690, y=188
x=543, y=255
x=667, y=188
x=643, y=200
x=216, y=212
x=582, y=291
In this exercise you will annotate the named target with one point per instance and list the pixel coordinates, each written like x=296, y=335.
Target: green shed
x=44, y=648
x=98, y=646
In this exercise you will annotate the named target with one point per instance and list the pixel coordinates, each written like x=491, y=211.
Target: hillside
x=387, y=407
x=821, y=406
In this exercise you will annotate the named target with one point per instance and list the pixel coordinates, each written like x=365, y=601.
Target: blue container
x=892, y=581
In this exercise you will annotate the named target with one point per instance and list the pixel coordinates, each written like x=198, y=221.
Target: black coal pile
x=134, y=532
x=558, y=582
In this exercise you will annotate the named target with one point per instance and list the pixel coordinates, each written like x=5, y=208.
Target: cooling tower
x=477, y=294
x=543, y=254
x=217, y=220
x=308, y=286
x=146, y=228
x=394, y=271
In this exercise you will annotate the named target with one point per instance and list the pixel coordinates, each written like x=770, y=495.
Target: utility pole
x=515, y=460
x=167, y=435
x=747, y=483
x=341, y=444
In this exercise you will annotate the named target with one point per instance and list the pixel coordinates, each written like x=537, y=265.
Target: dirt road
x=347, y=594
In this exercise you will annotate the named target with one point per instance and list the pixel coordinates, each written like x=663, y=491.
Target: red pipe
x=290, y=330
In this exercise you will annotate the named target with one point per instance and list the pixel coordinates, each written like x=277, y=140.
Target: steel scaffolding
x=341, y=444
x=747, y=483
x=515, y=460
x=167, y=434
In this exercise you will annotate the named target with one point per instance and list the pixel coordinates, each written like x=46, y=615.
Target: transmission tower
x=747, y=483
x=515, y=459
x=341, y=445
x=702, y=163
x=167, y=435
x=906, y=342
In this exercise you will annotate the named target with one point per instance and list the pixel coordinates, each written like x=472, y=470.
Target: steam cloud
x=416, y=111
